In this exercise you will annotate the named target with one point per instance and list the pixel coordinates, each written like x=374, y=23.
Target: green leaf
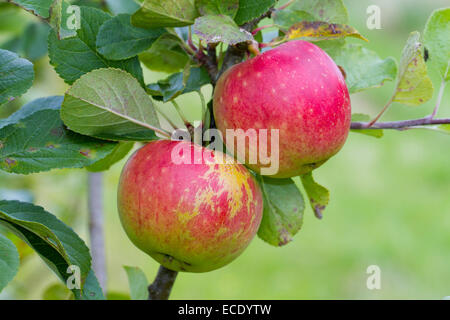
x=76, y=56
x=198, y=77
x=32, y=43
x=318, y=30
x=109, y=104
x=138, y=283
x=318, y=195
x=251, y=9
x=359, y=117
x=284, y=19
x=56, y=291
x=224, y=7
x=219, y=28
x=122, y=6
x=331, y=11
x=414, y=86
x=57, y=244
x=91, y=289
x=331, y=47
x=16, y=75
x=117, y=39
x=9, y=261
x=363, y=67
x=114, y=295
x=436, y=38
x=445, y=128
x=165, y=55
x=167, y=13
x=177, y=84
x=39, y=7
x=170, y=87
x=34, y=139
x=119, y=152
x=12, y=18
x=283, y=210
x=50, y=103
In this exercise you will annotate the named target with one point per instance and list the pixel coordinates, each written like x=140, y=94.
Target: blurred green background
x=390, y=199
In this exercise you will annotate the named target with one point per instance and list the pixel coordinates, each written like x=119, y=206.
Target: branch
x=400, y=125
x=96, y=232
x=162, y=286
x=209, y=61
x=426, y=119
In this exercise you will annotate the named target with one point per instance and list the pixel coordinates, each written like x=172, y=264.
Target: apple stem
x=263, y=45
x=287, y=4
x=254, y=48
x=203, y=102
x=439, y=98
x=255, y=31
x=180, y=113
x=371, y=123
x=190, y=42
x=162, y=286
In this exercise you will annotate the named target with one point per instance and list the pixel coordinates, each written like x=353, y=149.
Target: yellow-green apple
x=192, y=215
x=295, y=88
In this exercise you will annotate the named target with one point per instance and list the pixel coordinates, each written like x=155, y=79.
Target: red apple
x=188, y=217
x=296, y=88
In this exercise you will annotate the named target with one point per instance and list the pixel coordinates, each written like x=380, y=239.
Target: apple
x=295, y=88
x=193, y=217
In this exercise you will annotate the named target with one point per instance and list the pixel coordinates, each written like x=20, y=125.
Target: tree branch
x=210, y=63
x=162, y=286
x=96, y=223
x=400, y=125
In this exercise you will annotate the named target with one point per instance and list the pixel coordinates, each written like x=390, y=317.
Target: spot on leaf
x=86, y=152
x=57, y=132
x=9, y=163
x=319, y=30
x=52, y=145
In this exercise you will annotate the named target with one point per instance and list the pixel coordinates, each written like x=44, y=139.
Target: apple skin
x=188, y=217
x=296, y=88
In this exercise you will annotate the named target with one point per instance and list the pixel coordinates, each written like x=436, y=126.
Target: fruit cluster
x=199, y=217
